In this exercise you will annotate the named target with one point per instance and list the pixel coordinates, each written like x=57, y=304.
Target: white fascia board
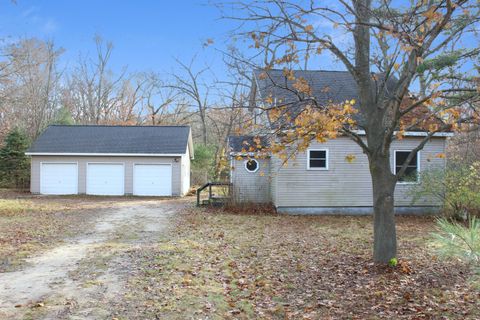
x=104, y=154
x=405, y=134
x=190, y=145
x=424, y=134
x=413, y=133
x=249, y=154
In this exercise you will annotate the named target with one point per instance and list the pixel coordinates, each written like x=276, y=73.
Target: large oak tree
x=414, y=63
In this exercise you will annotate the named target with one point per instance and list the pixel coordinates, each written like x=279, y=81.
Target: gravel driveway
x=77, y=279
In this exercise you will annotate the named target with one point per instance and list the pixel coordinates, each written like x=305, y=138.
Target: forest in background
x=36, y=91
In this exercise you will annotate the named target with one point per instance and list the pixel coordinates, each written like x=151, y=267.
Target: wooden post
x=198, y=197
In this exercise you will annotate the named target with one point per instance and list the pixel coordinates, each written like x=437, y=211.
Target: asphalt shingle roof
x=326, y=87
x=243, y=143
x=112, y=139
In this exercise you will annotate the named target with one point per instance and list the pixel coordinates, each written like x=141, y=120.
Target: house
x=323, y=179
x=112, y=160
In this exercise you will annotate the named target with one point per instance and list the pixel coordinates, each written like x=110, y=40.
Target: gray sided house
x=324, y=179
x=112, y=160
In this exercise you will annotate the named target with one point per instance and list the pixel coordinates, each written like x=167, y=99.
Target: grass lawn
x=216, y=265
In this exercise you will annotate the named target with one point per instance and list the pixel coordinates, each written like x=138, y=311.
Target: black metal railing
x=212, y=198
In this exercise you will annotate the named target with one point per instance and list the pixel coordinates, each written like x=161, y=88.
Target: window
x=251, y=165
x=317, y=159
x=411, y=173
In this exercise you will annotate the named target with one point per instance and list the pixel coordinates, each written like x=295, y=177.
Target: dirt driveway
x=79, y=278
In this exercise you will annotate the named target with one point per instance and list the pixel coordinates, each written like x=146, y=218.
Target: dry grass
x=13, y=207
x=30, y=224
x=231, y=266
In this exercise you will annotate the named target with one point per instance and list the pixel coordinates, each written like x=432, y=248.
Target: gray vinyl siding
x=344, y=184
x=127, y=161
x=273, y=179
x=251, y=186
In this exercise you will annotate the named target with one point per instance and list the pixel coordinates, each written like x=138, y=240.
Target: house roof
x=244, y=144
x=326, y=87
x=103, y=139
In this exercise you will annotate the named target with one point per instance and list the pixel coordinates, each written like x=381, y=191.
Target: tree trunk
x=383, y=180
x=384, y=233
x=204, y=132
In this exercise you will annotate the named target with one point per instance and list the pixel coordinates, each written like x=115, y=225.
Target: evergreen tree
x=14, y=165
x=63, y=116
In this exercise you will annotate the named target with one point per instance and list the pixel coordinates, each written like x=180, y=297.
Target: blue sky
x=147, y=35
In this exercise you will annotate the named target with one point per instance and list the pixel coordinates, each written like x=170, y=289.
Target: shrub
x=203, y=164
x=210, y=164
x=455, y=239
x=249, y=208
x=457, y=187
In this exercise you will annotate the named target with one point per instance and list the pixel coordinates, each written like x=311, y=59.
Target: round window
x=251, y=165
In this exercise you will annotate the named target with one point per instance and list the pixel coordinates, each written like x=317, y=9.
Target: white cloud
x=32, y=16
x=49, y=26
x=29, y=11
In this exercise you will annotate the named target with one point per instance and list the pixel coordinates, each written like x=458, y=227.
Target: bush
x=203, y=165
x=14, y=164
x=249, y=208
x=458, y=187
x=454, y=239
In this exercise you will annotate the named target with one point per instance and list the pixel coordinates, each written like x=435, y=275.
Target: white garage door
x=105, y=179
x=152, y=180
x=58, y=178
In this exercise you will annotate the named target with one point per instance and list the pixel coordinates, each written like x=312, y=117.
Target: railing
x=212, y=199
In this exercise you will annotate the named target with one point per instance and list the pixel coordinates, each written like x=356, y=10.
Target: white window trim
x=419, y=158
x=250, y=171
x=317, y=168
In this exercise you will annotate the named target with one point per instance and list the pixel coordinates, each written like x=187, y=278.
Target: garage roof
x=113, y=140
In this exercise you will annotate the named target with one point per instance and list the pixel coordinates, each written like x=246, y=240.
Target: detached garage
x=112, y=160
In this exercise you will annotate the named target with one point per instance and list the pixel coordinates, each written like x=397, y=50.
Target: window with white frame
x=251, y=165
x=411, y=173
x=317, y=159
